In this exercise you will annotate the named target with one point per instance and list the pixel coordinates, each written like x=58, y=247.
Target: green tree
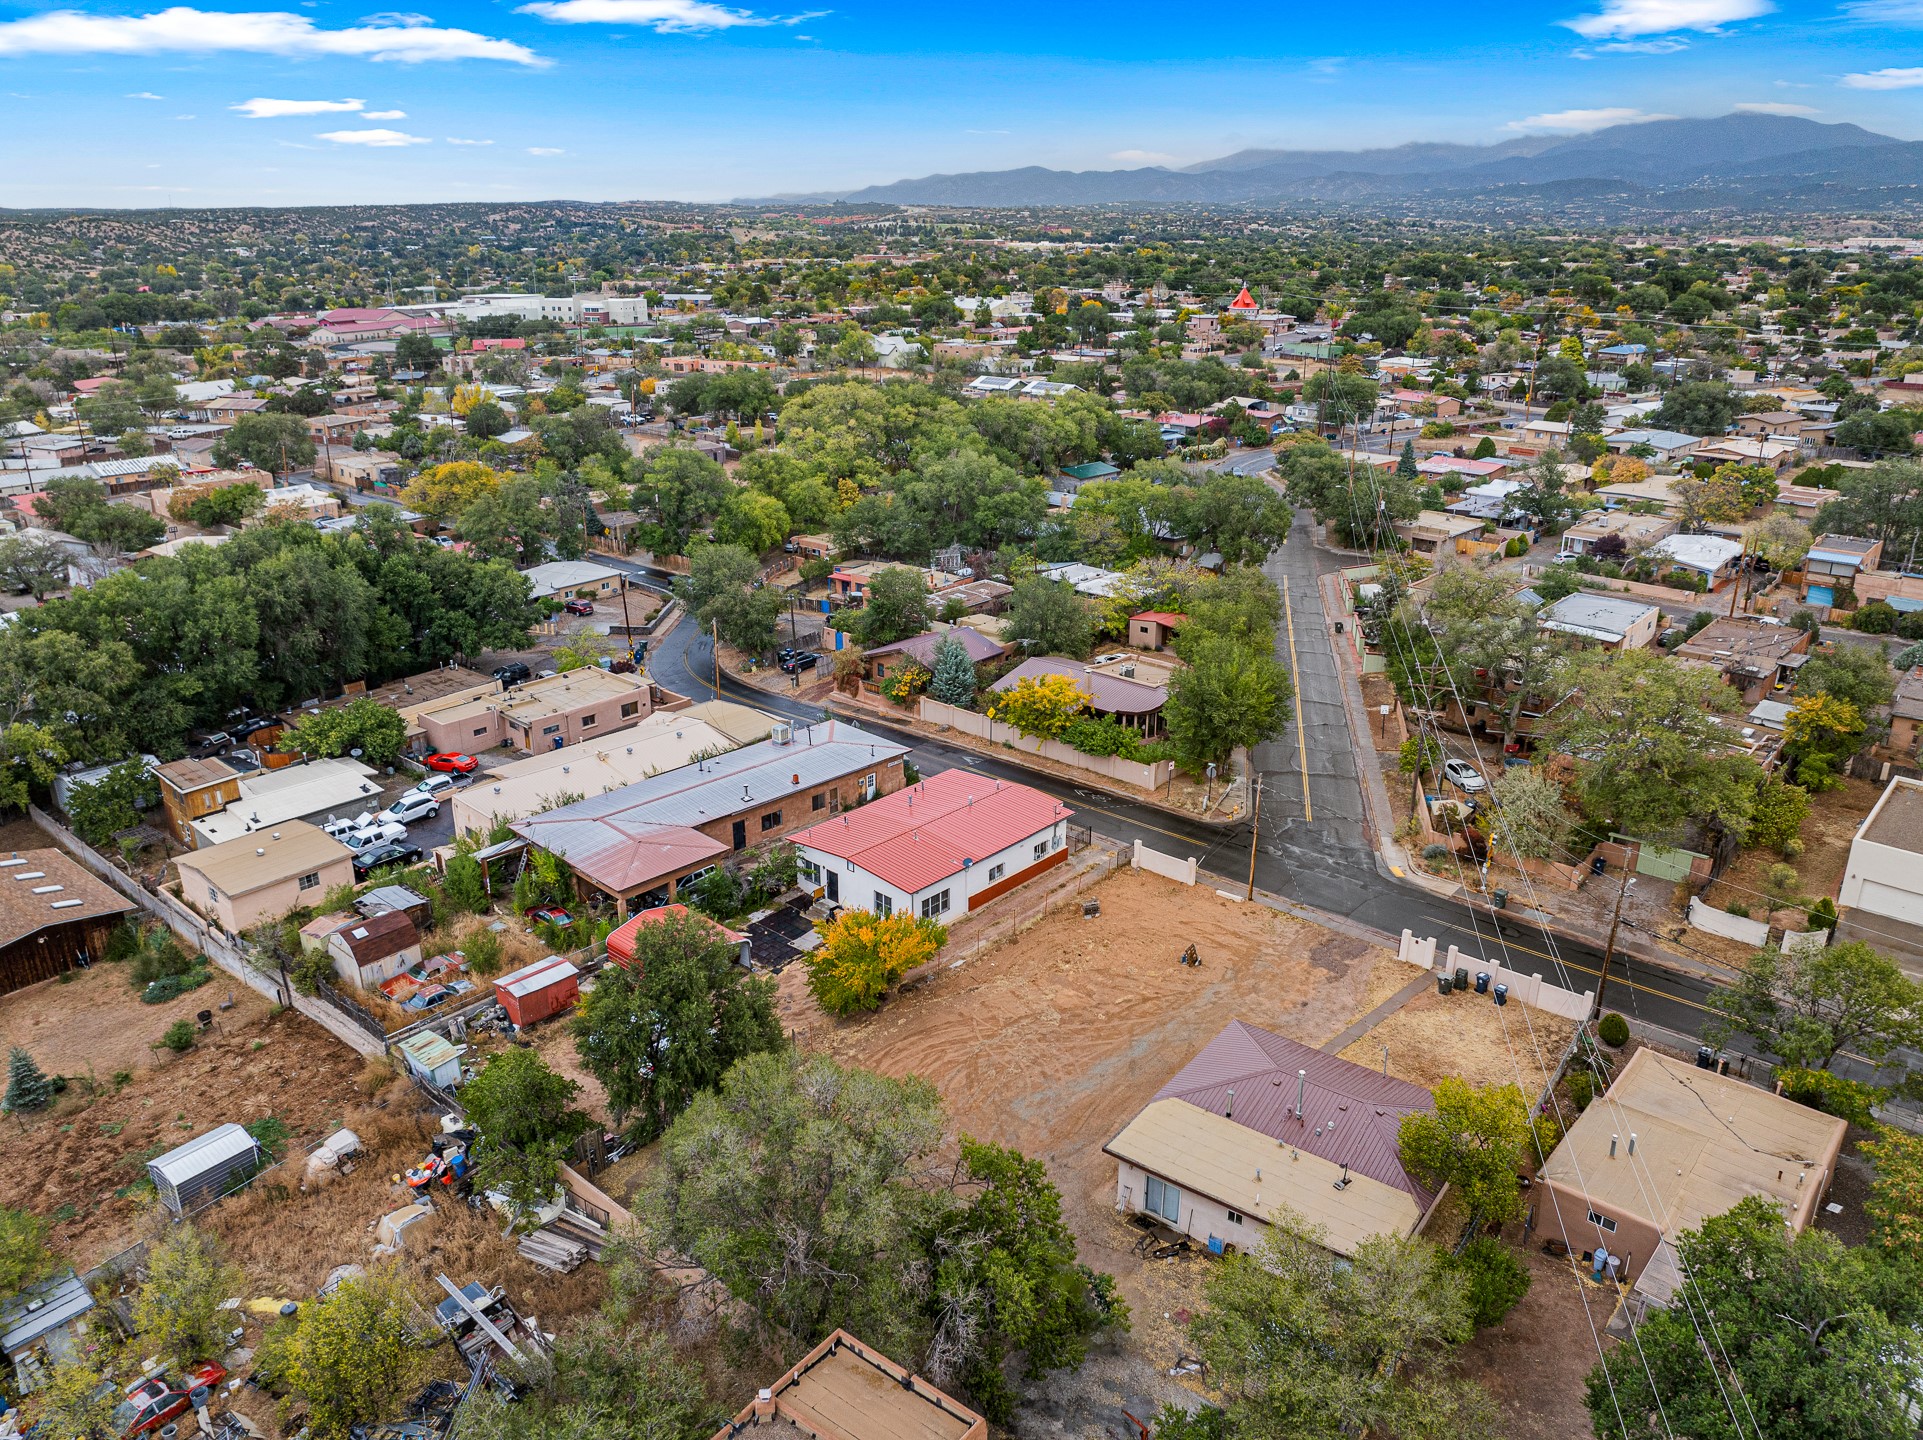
x=1648, y=746
x=953, y=673
x=1007, y=1280
x=275, y=443
x=1812, y=1340
x=607, y=1381
x=789, y=1186
x=1307, y=1345
x=1895, y=1203
x=1229, y=697
x=177, y=1310
x=350, y=1353
x=896, y=608
x=1698, y=407
x=1240, y=517
x=1854, y=674
x=1494, y=1280
x=466, y=884
x=1531, y=819
x=38, y=567
x=524, y=1118
x=1342, y=399
x=1807, y=1007
x=678, y=491
x=1474, y=1141
x=76, y=1402
x=30, y=758
x=363, y=725
x=720, y=593
x=219, y=505
x=1776, y=813
x=757, y=523
x=659, y=1030
x=112, y=804
x=1048, y=618
x=1486, y=631
x=25, y=1256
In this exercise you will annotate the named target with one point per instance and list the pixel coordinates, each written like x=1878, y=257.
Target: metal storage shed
x=432, y=1058
x=534, y=992
x=206, y=1168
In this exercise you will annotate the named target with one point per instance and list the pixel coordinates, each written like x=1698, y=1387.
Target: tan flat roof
x=544, y=697
x=1247, y=1171
x=266, y=857
x=844, y=1390
x=1703, y=1142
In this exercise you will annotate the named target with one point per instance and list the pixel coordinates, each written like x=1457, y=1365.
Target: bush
x=466, y=885
x=172, y=987
x=482, y=951
x=1493, y=1277
x=1875, y=618
x=159, y=957
x=1582, y=1089
x=1822, y=915
x=1436, y=854
x=179, y=1036
x=1738, y=909
x=1849, y=1100
x=719, y=895
x=313, y=969
x=1613, y=1030
x=123, y=943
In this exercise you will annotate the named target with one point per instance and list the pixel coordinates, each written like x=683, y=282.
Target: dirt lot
x=1533, y=1363
x=1430, y=1037
x=1052, y=1042
x=73, y=1161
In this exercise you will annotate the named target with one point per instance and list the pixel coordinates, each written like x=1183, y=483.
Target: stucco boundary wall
x=203, y=937
x=1167, y=866
x=1531, y=990
x=1152, y=776
x=1731, y=927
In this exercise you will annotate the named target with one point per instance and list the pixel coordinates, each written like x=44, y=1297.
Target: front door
x=741, y=834
x=834, y=886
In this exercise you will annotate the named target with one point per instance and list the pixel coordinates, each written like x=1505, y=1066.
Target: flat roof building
x=544, y=714
x=1614, y=622
x=259, y=877
x=1882, y=892
x=843, y=1390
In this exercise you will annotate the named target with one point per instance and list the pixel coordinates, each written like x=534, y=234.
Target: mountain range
x=1739, y=158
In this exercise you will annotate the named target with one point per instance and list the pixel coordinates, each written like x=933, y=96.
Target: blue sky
x=318, y=101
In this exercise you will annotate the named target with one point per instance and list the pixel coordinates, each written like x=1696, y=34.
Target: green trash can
x=1499, y=899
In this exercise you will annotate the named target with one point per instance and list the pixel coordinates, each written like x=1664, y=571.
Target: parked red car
x=579, y=607
x=151, y=1403
x=553, y=914
x=452, y=760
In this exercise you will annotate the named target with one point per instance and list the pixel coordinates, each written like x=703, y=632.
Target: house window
x=310, y=881
x=995, y=872
x=936, y=904
x=550, y=729
x=1041, y=850
x=1603, y=1220
x=631, y=709
x=480, y=731
x=808, y=871
x=771, y=820
x=213, y=896
x=1164, y=1200
x=820, y=801
x=1235, y=1217
x=586, y=721
x=884, y=904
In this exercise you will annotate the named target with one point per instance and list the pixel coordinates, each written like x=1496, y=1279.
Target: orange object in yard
x=537, y=991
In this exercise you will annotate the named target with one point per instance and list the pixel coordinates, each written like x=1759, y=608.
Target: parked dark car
x=382, y=856
x=513, y=673
x=795, y=664
x=578, y=606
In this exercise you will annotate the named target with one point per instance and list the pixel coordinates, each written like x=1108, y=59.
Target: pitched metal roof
x=39, y=888
x=922, y=647
x=1350, y=1115
x=372, y=940
x=936, y=828
x=41, y=1309
x=1112, y=694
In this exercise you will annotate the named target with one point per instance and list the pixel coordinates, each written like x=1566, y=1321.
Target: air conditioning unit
x=782, y=734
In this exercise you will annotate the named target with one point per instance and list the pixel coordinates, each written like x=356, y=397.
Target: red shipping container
x=537, y=991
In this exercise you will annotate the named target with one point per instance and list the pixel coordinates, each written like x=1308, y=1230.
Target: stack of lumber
x=572, y=1225
x=553, y=1251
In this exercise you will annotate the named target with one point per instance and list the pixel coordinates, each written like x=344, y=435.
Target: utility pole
x=714, y=647
x=1609, y=948
x=1255, y=830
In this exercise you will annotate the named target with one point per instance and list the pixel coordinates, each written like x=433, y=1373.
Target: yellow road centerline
x=1295, y=683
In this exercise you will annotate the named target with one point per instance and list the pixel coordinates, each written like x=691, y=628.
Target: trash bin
x=1482, y=982
x=1443, y=987
x=1502, y=994
x=1705, y=1058
x=1462, y=977
x=1597, y=865
x=1499, y=899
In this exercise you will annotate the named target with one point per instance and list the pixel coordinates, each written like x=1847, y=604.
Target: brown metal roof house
x=54, y=914
x=378, y=948
x=843, y=1390
x=1257, y=1128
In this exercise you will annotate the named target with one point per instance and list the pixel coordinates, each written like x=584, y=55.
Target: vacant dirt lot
x=73, y=1161
x=1052, y=1042
x=1466, y=1035
x=1534, y=1362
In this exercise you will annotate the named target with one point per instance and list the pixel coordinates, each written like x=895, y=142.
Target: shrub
x=179, y=1036
x=1582, y=1089
x=719, y=895
x=312, y=970
x=482, y=951
x=466, y=885
x=1738, y=909
x=1849, y=1100
x=1493, y=1278
x=159, y=957
x=172, y=987
x=861, y=954
x=123, y=943
x=1875, y=618
x=1613, y=1030
x=1435, y=853
x=1822, y=915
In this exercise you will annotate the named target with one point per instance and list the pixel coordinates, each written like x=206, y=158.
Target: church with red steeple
x=1243, y=304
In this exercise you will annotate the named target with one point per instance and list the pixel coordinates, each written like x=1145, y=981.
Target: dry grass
x=1432, y=1036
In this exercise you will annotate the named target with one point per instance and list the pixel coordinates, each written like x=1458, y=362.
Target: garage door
x=1881, y=899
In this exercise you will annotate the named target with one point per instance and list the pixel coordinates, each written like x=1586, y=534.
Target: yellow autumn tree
x=1040, y=706
x=444, y=491
x=465, y=398
x=861, y=954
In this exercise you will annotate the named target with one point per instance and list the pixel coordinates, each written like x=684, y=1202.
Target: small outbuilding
x=432, y=1058
x=205, y=1168
x=39, y=1327
x=535, y=992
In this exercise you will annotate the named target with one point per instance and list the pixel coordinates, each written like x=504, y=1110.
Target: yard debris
x=553, y=1251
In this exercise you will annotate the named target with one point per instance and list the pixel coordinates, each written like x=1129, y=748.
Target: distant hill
x=1735, y=156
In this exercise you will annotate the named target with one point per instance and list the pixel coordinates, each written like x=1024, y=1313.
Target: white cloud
x=1142, y=157
x=1886, y=12
x=1583, y=121
x=1668, y=45
x=145, y=95
x=1886, y=80
x=664, y=17
x=261, y=108
x=267, y=32
x=378, y=139
x=385, y=115
x=1773, y=107
x=453, y=140
x=545, y=150
x=1626, y=19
